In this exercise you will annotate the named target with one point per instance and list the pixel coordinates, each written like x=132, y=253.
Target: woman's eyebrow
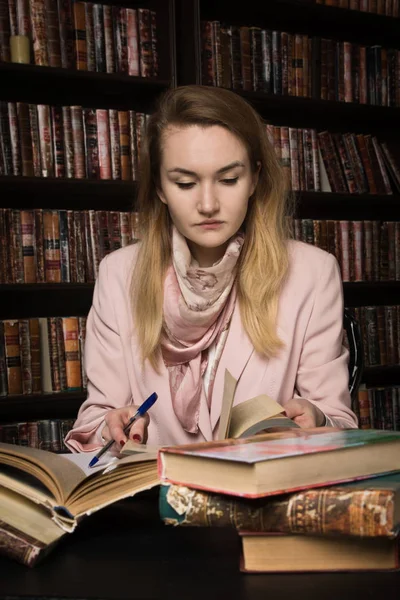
x=236, y=163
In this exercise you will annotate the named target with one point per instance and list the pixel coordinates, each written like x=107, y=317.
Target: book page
x=57, y=474
x=82, y=460
x=230, y=384
x=131, y=447
x=254, y=411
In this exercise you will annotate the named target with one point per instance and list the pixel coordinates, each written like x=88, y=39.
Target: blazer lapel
x=235, y=356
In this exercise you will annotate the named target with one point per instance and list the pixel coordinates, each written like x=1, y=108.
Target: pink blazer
x=312, y=365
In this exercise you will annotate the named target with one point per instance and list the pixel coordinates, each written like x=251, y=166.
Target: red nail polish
x=137, y=438
x=122, y=443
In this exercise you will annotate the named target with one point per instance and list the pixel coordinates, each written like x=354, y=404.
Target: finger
x=105, y=433
x=117, y=422
x=294, y=409
x=305, y=421
x=138, y=431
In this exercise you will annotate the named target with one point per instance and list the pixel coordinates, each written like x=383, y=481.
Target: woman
x=214, y=283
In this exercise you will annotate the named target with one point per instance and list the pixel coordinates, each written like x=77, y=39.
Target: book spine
x=145, y=43
x=53, y=34
x=3, y=365
x=26, y=359
x=34, y=336
x=38, y=21
x=65, y=22
x=68, y=142
x=78, y=142
x=19, y=546
x=323, y=511
x=45, y=139
x=70, y=327
x=4, y=32
x=79, y=16
x=99, y=38
x=13, y=357
x=90, y=37
x=109, y=39
x=124, y=145
x=51, y=238
x=58, y=141
x=35, y=137
x=17, y=251
x=132, y=40
x=25, y=139
x=103, y=133
x=28, y=245
x=14, y=137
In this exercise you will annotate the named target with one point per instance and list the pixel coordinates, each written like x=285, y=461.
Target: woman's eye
x=230, y=181
x=185, y=186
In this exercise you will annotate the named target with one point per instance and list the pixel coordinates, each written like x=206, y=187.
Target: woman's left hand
x=304, y=413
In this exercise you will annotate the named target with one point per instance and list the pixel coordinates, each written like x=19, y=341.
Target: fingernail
x=122, y=443
x=137, y=438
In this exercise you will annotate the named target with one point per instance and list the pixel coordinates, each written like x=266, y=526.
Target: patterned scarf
x=198, y=306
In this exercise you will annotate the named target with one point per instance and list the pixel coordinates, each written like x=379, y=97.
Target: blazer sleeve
x=323, y=376
x=108, y=383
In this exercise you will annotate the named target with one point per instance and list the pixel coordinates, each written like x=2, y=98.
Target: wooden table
x=124, y=551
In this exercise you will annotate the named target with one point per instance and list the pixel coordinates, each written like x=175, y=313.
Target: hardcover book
x=285, y=461
x=44, y=495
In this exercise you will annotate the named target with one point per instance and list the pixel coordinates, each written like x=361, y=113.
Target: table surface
x=125, y=551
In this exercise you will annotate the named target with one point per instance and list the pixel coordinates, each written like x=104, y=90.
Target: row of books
x=365, y=250
x=345, y=163
x=46, y=354
x=380, y=330
x=69, y=141
x=278, y=62
x=83, y=35
x=46, y=434
x=42, y=355
x=378, y=407
x=389, y=8
x=59, y=246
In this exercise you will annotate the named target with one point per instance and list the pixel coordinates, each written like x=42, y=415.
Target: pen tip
x=94, y=461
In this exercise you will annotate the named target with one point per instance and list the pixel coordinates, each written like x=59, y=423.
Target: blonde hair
x=263, y=262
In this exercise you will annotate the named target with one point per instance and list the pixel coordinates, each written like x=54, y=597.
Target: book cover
x=365, y=508
x=282, y=461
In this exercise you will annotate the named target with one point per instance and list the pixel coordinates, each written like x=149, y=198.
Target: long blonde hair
x=263, y=262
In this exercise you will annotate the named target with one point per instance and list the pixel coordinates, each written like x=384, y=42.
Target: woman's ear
x=256, y=175
x=160, y=194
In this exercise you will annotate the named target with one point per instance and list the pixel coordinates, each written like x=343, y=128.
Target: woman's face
x=206, y=182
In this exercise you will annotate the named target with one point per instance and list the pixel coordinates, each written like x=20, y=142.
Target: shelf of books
x=79, y=80
x=324, y=77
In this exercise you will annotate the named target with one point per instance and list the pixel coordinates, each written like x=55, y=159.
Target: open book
x=248, y=418
x=44, y=495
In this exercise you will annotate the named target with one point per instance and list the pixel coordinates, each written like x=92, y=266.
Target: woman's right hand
x=117, y=419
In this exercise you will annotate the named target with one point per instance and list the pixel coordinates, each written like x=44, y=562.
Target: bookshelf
x=307, y=18
x=179, y=51
x=56, y=86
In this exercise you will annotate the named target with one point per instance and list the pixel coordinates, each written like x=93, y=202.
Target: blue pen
x=143, y=408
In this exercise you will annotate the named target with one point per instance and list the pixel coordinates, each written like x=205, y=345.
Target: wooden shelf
x=386, y=376
x=28, y=300
x=47, y=85
x=72, y=194
x=21, y=301
x=301, y=17
x=293, y=111
x=40, y=406
x=371, y=293
x=353, y=207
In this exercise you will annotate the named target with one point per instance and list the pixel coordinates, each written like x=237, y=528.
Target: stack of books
x=302, y=500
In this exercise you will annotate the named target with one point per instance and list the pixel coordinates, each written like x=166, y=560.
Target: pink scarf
x=198, y=306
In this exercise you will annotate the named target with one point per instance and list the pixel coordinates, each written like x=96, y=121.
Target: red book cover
x=272, y=461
